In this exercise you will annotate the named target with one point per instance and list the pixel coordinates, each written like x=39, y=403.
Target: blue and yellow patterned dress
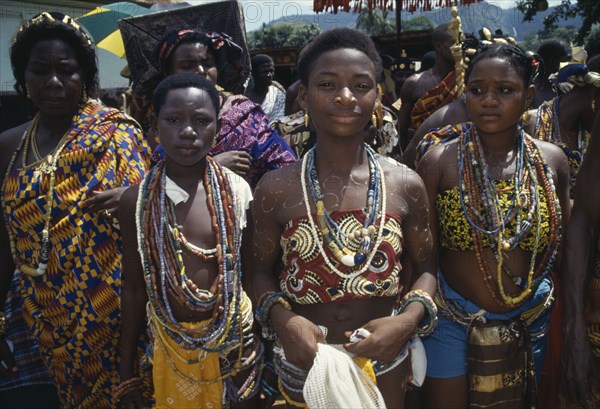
x=73, y=309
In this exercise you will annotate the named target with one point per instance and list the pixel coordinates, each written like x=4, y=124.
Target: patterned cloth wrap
x=74, y=309
x=306, y=279
x=299, y=136
x=274, y=103
x=442, y=94
x=547, y=129
x=244, y=127
x=186, y=378
x=438, y=136
x=32, y=370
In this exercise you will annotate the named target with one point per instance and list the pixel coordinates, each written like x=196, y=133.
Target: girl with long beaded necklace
x=330, y=229
x=498, y=199
x=199, y=316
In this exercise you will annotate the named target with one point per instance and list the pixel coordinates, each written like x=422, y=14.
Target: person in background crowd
x=567, y=119
x=262, y=90
x=291, y=96
x=425, y=92
x=67, y=254
x=592, y=47
x=245, y=143
x=553, y=52
x=427, y=61
x=402, y=68
x=439, y=127
x=387, y=84
x=498, y=202
x=450, y=120
x=581, y=352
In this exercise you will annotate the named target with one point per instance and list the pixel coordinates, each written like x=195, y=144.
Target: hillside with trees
x=474, y=17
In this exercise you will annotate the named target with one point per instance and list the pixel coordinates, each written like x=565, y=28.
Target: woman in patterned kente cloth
x=68, y=257
x=329, y=235
x=498, y=199
x=581, y=353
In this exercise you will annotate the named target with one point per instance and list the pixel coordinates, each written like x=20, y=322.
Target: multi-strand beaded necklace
x=336, y=240
x=44, y=167
x=480, y=202
x=162, y=244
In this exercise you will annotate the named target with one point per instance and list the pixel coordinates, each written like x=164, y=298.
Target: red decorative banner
x=407, y=5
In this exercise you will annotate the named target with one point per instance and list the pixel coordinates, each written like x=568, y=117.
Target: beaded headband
x=54, y=17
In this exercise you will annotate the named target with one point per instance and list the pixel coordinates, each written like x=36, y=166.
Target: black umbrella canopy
x=142, y=34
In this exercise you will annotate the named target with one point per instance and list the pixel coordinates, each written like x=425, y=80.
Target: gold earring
x=306, y=118
x=84, y=95
x=374, y=120
x=526, y=116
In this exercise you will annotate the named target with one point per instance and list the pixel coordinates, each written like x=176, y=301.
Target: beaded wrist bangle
x=263, y=310
x=125, y=387
x=2, y=324
x=424, y=299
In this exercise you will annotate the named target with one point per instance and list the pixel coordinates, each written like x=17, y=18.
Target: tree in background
x=418, y=23
x=589, y=10
x=282, y=35
x=375, y=22
x=532, y=41
x=378, y=22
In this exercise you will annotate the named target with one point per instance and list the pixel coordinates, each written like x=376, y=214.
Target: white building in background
x=13, y=13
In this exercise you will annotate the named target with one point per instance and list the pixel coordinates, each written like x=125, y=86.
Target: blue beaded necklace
x=333, y=236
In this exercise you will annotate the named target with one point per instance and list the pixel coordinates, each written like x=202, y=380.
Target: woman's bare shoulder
x=9, y=141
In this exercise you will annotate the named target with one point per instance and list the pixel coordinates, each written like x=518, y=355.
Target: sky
x=257, y=12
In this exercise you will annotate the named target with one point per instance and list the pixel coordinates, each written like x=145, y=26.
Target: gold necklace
x=46, y=167
x=34, y=146
x=27, y=139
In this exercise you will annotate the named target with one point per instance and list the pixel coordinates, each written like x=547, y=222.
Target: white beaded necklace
x=318, y=236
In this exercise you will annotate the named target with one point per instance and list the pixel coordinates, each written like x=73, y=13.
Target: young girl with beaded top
x=182, y=237
x=329, y=235
x=498, y=201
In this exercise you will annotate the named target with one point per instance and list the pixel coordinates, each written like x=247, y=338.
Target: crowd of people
x=211, y=249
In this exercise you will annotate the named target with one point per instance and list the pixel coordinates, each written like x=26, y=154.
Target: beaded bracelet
x=288, y=398
x=424, y=299
x=125, y=387
x=263, y=310
x=2, y=324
